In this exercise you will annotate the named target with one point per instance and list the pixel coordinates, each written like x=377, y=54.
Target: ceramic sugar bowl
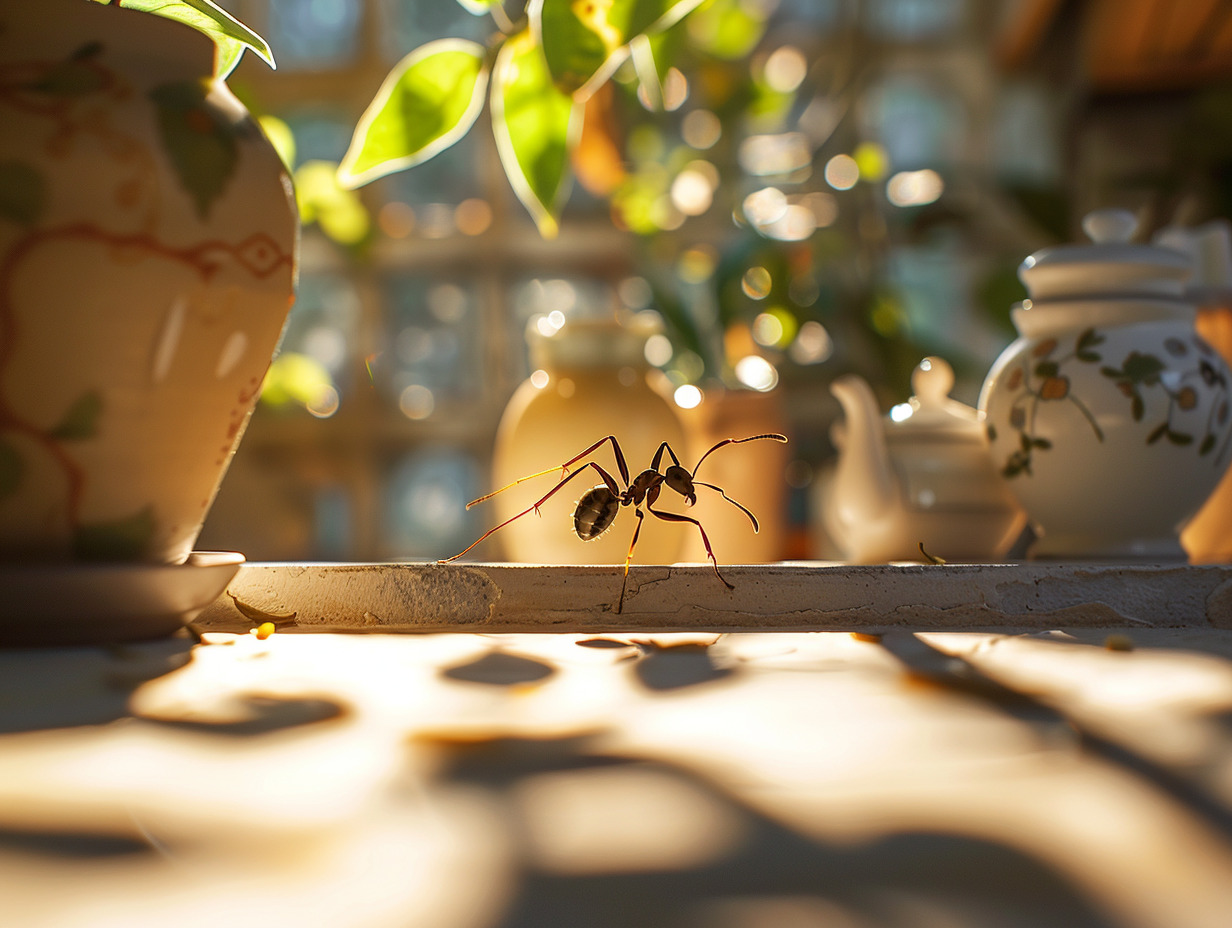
x=920, y=476
x=1109, y=416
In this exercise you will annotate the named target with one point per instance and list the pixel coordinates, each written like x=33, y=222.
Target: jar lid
x=1110, y=266
x=931, y=413
x=594, y=342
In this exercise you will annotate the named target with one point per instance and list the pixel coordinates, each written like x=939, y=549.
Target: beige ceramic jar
x=147, y=259
x=590, y=382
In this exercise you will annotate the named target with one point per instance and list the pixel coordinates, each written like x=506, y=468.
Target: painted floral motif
x=202, y=147
x=1043, y=377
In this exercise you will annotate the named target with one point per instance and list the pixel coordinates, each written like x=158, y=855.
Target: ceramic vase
x=591, y=381
x=148, y=240
x=1109, y=416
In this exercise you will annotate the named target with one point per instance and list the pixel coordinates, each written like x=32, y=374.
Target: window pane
x=407, y=24
x=450, y=177
x=322, y=325
x=425, y=504
x=311, y=34
x=320, y=134
x=432, y=343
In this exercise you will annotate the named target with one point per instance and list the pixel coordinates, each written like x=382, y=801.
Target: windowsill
x=431, y=597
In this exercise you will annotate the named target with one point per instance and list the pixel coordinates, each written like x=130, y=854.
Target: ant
x=598, y=507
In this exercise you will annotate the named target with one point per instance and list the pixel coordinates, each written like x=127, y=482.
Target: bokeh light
x=871, y=160
x=658, y=351
x=914, y=188
x=764, y=206
x=757, y=373
x=756, y=283
x=812, y=344
x=785, y=69
x=701, y=129
x=842, y=172
x=687, y=396
x=416, y=402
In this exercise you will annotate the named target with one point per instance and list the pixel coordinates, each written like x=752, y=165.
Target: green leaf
x=73, y=77
x=230, y=35
x=1137, y=407
x=429, y=100
x=536, y=127
x=728, y=29
x=583, y=42
x=23, y=192
x=1043, y=443
x=1179, y=438
x=81, y=419
x=1157, y=433
x=1089, y=339
x=121, y=540
x=1208, y=445
x=1047, y=369
x=199, y=141
x=1090, y=357
x=11, y=469
x=1143, y=368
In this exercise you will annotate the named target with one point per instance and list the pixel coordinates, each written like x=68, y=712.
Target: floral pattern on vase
x=147, y=259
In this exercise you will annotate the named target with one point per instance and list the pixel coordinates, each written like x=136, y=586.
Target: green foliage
x=428, y=102
x=230, y=35
x=544, y=70
x=200, y=143
x=80, y=421
x=535, y=128
x=72, y=77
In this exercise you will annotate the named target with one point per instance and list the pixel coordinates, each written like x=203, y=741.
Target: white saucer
x=95, y=603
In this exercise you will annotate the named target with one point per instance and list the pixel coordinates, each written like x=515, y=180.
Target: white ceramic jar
x=148, y=240
x=1109, y=416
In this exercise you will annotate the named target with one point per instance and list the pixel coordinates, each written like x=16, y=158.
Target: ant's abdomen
x=595, y=512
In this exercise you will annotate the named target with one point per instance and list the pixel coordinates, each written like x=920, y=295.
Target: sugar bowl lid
x=1110, y=266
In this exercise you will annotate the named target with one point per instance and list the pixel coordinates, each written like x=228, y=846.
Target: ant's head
x=681, y=481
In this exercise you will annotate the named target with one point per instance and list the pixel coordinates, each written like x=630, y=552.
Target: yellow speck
x=1119, y=643
x=264, y=630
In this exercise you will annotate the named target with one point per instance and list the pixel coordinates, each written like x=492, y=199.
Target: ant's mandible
x=598, y=507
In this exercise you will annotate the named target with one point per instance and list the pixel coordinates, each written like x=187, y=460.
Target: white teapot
x=920, y=476
x=1109, y=417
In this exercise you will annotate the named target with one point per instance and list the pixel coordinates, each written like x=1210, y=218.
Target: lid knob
x=1110, y=226
x=932, y=380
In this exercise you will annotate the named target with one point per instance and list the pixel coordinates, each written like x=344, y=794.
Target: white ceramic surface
x=1109, y=416
x=147, y=255
x=920, y=476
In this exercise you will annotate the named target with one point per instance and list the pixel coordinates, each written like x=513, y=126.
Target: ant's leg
x=676, y=517
x=719, y=490
x=658, y=458
x=607, y=478
x=564, y=469
x=620, y=459
x=628, y=557
x=773, y=436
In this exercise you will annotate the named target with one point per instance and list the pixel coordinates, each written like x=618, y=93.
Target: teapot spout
x=864, y=487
